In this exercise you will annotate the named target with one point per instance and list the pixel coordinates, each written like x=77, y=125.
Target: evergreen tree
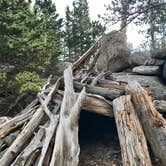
x=80, y=32
x=29, y=36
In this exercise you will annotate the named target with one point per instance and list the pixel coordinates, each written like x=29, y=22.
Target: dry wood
x=85, y=56
x=28, y=130
x=66, y=147
x=100, y=76
x=153, y=123
x=93, y=63
x=49, y=131
x=26, y=156
x=13, y=123
x=132, y=140
x=96, y=104
x=105, y=92
x=160, y=105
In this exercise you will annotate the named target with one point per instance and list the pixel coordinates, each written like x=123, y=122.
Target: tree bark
x=132, y=140
x=154, y=125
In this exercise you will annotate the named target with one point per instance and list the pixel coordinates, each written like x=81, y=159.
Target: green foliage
x=29, y=34
x=29, y=82
x=80, y=32
x=3, y=79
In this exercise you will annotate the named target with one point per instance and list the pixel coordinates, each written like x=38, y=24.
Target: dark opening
x=98, y=140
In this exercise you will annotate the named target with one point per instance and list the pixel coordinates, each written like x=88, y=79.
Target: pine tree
x=80, y=32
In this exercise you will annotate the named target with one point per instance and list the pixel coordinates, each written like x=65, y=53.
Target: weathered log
x=133, y=144
x=105, y=92
x=147, y=70
x=26, y=156
x=154, y=125
x=66, y=147
x=100, y=76
x=160, y=105
x=28, y=130
x=13, y=123
x=85, y=56
x=49, y=131
x=96, y=104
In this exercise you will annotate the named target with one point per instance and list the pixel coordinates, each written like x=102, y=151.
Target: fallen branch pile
x=46, y=131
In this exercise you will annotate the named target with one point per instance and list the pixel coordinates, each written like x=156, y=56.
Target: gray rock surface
x=153, y=82
x=147, y=70
x=164, y=72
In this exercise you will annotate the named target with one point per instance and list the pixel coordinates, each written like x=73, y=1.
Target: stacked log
x=46, y=131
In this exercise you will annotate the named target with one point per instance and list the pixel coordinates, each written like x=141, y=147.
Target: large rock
x=153, y=82
x=147, y=70
x=113, y=52
x=161, y=54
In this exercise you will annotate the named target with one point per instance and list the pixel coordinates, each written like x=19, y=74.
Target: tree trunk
x=154, y=125
x=132, y=140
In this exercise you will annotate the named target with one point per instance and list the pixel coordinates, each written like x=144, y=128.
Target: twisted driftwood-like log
x=66, y=147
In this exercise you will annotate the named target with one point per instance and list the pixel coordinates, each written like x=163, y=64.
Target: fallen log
x=105, y=92
x=133, y=144
x=154, y=125
x=96, y=104
x=66, y=146
x=147, y=70
x=28, y=130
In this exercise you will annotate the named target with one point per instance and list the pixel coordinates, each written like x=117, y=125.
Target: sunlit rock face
x=113, y=52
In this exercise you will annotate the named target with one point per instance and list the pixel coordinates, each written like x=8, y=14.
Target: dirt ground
x=98, y=141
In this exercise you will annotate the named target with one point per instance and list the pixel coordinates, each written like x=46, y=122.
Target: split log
x=147, y=70
x=66, y=147
x=132, y=140
x=154, y=125
x=160, y=105
x=28, y=130
x=105, y=92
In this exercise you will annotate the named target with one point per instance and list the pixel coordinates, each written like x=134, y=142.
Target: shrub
x=29, y=82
